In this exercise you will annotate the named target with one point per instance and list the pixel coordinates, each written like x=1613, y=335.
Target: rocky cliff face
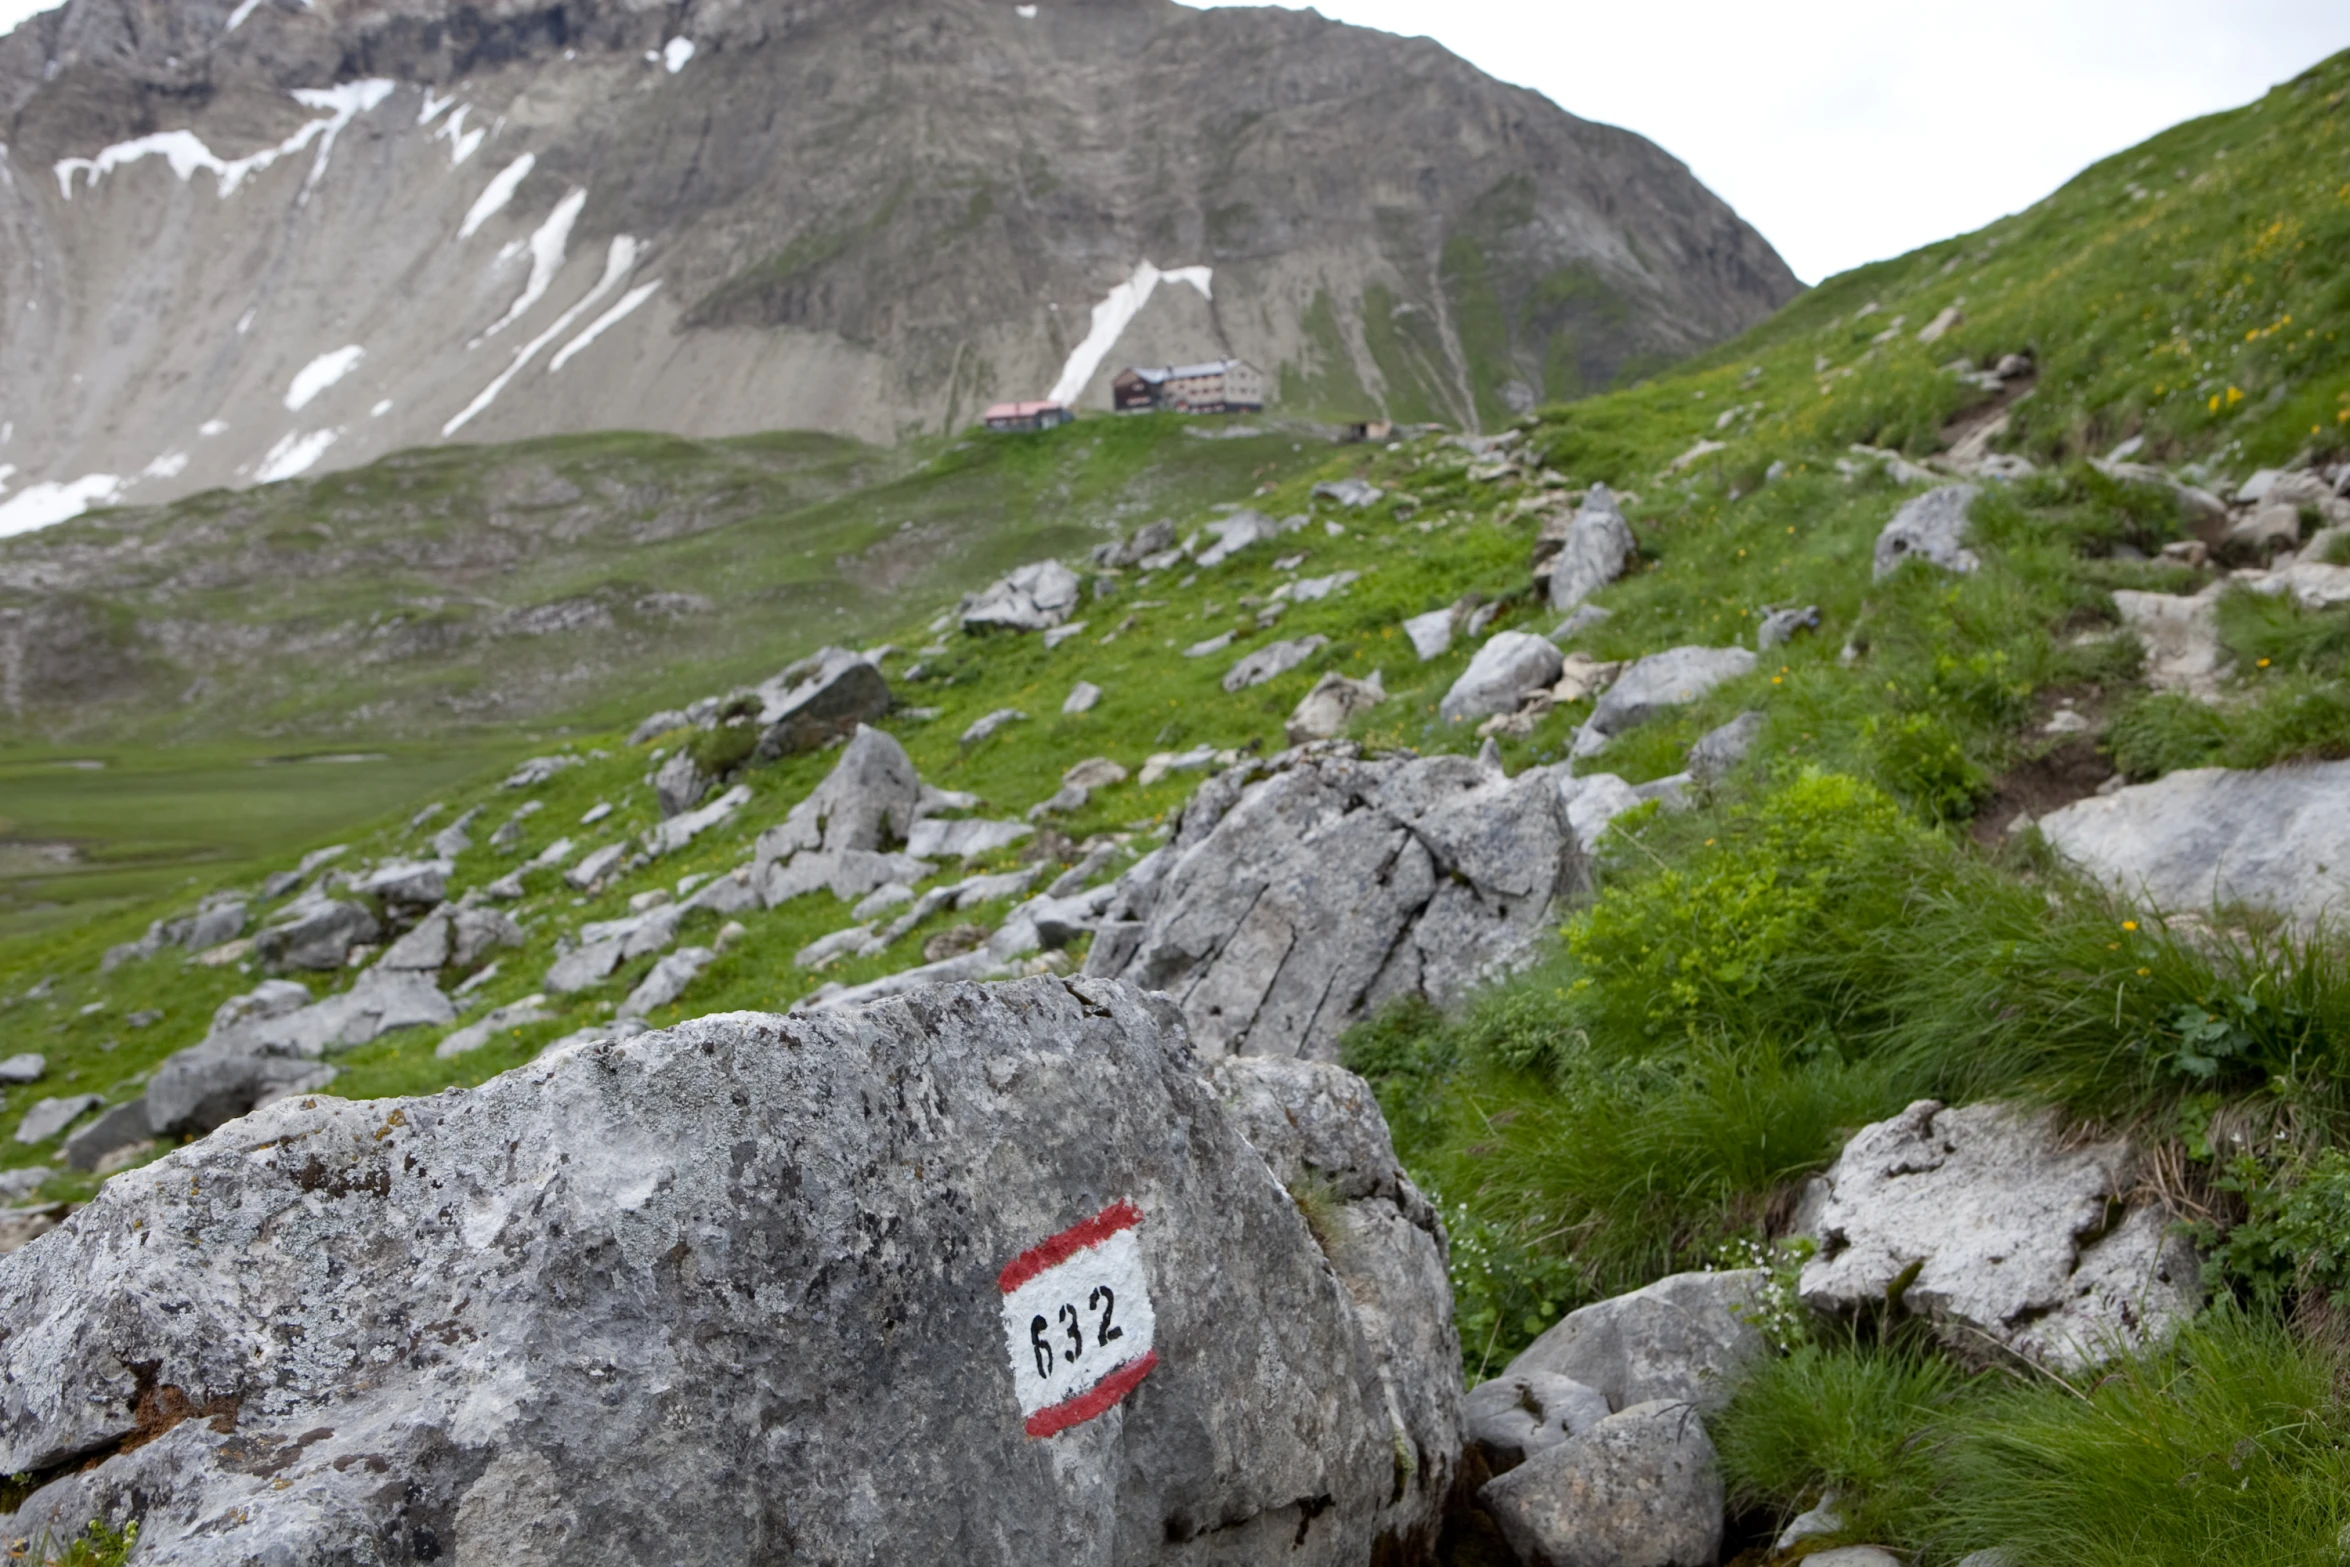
x=242, y=239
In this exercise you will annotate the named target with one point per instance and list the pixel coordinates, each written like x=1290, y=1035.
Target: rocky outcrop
x=925, y=1282
x=2273, y=840
x=1034, y=598
x=1931, y=527
x=2007, y=1237
x=1296, y=896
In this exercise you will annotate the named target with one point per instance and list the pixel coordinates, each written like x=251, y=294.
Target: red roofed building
x=1026, y=416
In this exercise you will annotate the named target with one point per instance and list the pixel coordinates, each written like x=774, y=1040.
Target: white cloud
x=1850, y=130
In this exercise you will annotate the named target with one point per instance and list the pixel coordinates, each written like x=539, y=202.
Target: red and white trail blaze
x=1077, y=1321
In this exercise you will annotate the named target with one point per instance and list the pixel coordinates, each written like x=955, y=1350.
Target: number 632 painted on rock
x=1069, y=1365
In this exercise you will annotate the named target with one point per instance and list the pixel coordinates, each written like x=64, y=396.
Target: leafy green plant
x=717, y=752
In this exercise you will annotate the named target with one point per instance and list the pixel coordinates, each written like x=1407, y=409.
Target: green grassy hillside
x=1839, y=927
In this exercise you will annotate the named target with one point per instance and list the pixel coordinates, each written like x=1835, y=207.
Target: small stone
x=1782, y=625
x=1082, y=698
x=1214, y=644
x=26, y=1068
x=983, y=727
x=954, y=943
x=48, y=1117
x=1931, y=527
x=1506, y=671
x=1324, y=712
x=1271, y=661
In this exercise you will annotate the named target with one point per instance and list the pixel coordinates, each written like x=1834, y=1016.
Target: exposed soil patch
x=2058, y=770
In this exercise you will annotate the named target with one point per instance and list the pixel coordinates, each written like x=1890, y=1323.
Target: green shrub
x=2295, y=1235
x=2164, y=732
x=717, y=752
x=1921, y=759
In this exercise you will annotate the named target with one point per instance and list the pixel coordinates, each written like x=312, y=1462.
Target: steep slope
x=240, y=241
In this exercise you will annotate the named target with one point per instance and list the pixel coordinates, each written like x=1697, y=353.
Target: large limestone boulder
x=1931, y=527
x=315, y=932
x=1297, y=895
x=1036, y=597
x=2277, y=840
x=983, y=1276
x=1648, y=686
x=1988, y=1224
x=1589, y=552
x=1684, y=1339
x=1641, y=1488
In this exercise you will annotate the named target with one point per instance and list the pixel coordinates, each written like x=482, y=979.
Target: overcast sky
x=1851, y=130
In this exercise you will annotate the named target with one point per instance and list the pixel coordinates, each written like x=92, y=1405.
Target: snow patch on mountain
x=1111, y=318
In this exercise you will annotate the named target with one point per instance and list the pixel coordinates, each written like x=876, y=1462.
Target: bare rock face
x=1290, y=904
x=1984, y=1222
x=972, y=1276
x=2277, y=840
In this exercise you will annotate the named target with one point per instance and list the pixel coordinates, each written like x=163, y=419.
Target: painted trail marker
x=1077, y=1321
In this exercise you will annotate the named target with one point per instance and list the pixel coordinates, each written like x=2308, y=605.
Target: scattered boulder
x=475, y=933
x=21, y=1069
x=1718, y=751
x=315, y=933
x=655, y=725
x=48, y=1117
x=1650, y=685
x=981, y=728
x=1984, y=1222
x=1077, y=786
x=1353, y=494
x=1272, y=661
x=124, y=1126
x=2181, y=637
x=420, y=884
x=1081, y=699
x=529, y=775
x=1209, y=645
x=1931, y=527
x=1151, y=539
x=1587, y=553
x=963, y=838
x=1237, y=532
x=1781, y=626
x=680, y=784
x=1324, y=712
x=1312, y=590
x=675, y=833
x=820, y=699
x=1642, y=1488
x=854, y=1305
x=868, y=801
x=1431, y=634
x=2273, y=839
x=667, y=981
x=1508, y=669
x=449, y=842
x=474, y=1035
x=599, y=863
x=1034, y=598
x=1289, y=904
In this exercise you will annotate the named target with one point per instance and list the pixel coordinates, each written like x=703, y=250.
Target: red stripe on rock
x=1052, y=1252
x=1098, y=1399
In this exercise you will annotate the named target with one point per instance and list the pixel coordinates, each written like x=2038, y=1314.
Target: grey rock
x=1592, y=551
x=1664, y=680
x=1335, y=702
x=1508, y=669
x=2265, y=529
x=731, y=892
x=675, y=833
x=1593, y=800
x=1683, y=1339
x=2018, y=1242
x=1208, y=645
x=1354, y=494
x=315, y=933
x=846, y=873
x=1584, y=617
x=868, y=801
x=1272, y=661
x=1081, y=699
x=599, y=863
x=1034, y=598
x=2277, y=840
x=585, y=967
x=1855, y=1556
x=1286, y=906
x=655, y=725
x=425, y=948
x=48, y=1117
x=1151, y=539
x=20, y=1183
x=1718, y=751
x=963, y=838
x=704, y=1220
x=1780, y=626
x=1516, y=1415
x=1640, y=1489
x=989, y=723
x=529, y=775
x=124, y=1126
x=218, y=920
x=1236, y=532
x=25, y=1068
x=839, y=691
x=414, y=884
x=1931, y=527
x=474, y=1035
x=475, y=933
x=1819, y=1520
x=667, y=981
x=1431, y=634
x=2180, y=636
x=680, y=784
